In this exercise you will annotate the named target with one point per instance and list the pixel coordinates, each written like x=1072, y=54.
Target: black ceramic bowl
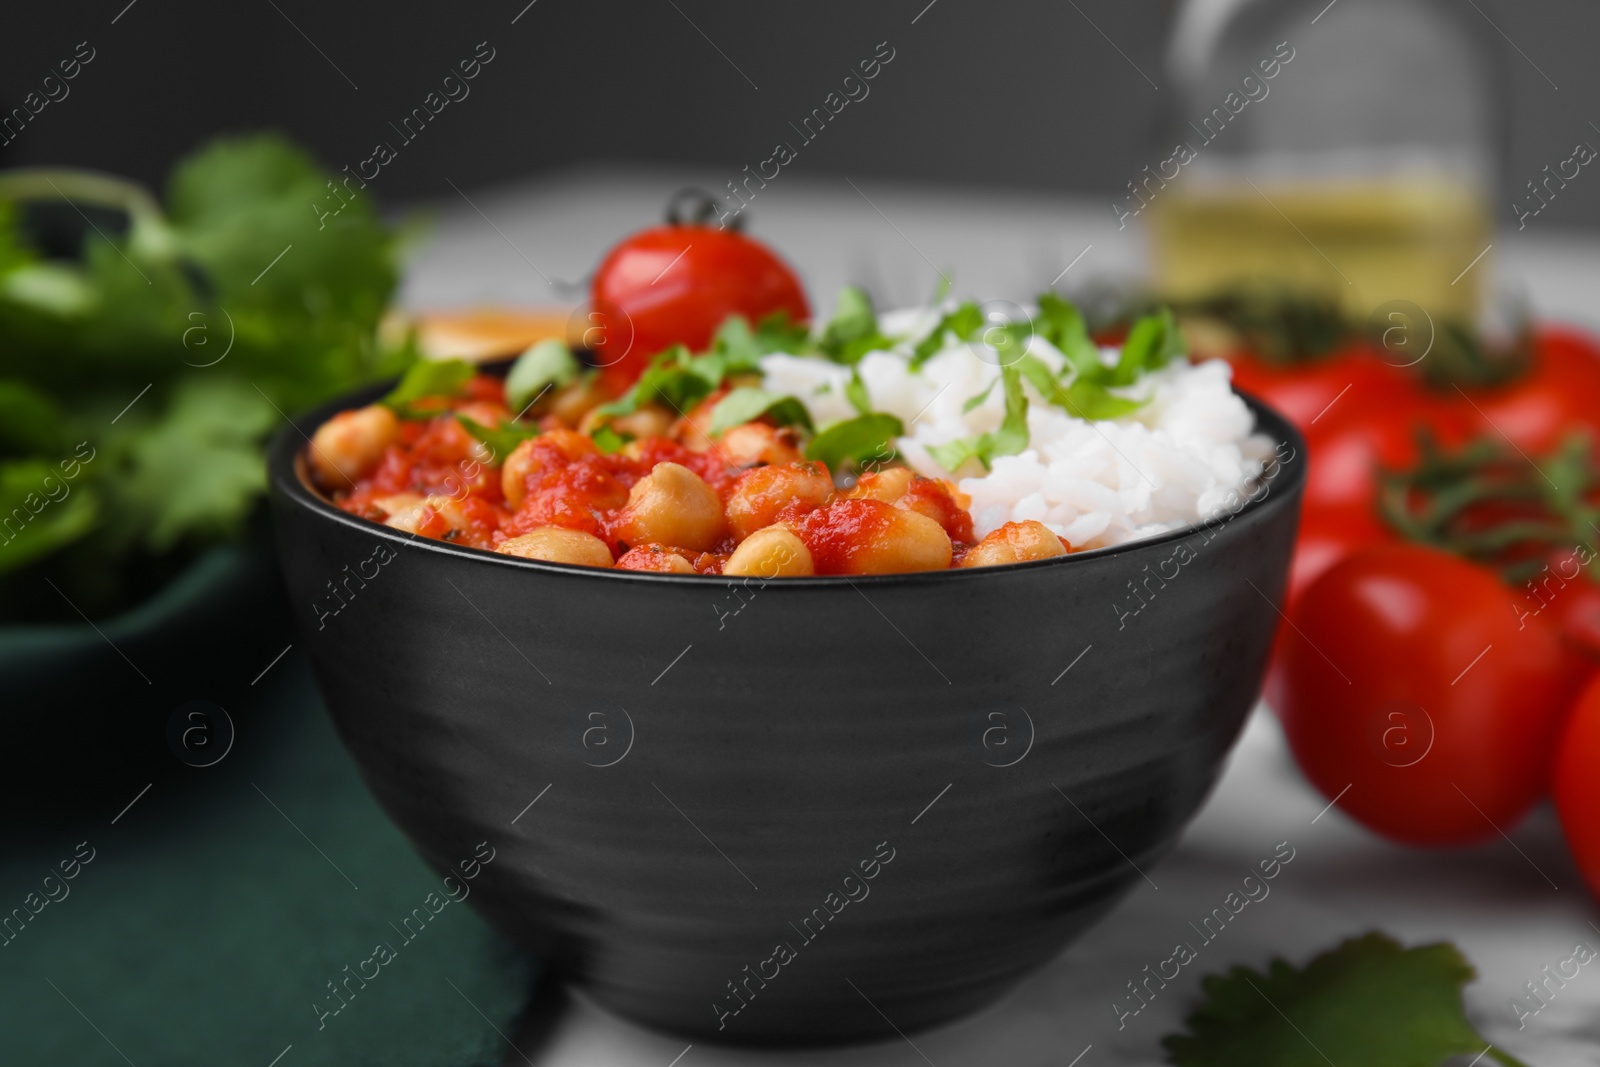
x=814, y=811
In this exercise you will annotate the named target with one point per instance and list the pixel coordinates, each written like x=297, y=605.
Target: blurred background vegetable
x=147, y=350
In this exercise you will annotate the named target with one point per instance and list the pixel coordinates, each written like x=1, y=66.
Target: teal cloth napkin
x=259, y=908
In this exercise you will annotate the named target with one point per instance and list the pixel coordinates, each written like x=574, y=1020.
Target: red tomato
x=1559, y=394
x=675, y=284
x=1578, y=614
x=1411, y=682
x=1313, y=395
x=1326, y=537
x=1576, y=787
x=1358, y=412
x=1565, y=597
x=1379, y=431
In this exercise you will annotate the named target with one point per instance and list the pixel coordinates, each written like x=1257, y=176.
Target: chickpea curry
x=572, y=479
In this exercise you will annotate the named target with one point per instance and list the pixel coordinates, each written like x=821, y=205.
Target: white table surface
x=1497, y=905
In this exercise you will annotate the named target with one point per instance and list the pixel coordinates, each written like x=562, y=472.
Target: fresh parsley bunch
x=166, y=340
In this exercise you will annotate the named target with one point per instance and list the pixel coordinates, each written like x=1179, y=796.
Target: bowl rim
x=287, y=477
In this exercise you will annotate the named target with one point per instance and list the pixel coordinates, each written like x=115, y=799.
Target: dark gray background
x=1021, y=93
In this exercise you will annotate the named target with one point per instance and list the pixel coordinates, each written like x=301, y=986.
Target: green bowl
x=94, y=708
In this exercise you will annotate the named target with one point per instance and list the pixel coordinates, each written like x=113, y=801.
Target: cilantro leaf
x=963, y=322
x=59, y=512
x=29, y=419
x=680, y=379
x=1010, y=439
x=1084, y=398
x=855, y=442
x=502, y=440
x=1094, y=402
x=1370, y=1002
x=853, y=330
x=974, y=401
x=746, y=404
x=608, y=440
x=675, y=377
x=548, y=364
x=196, y=470
x=853, y=351
x=427, y=378
x=1062, y=325
x=855, y=391
x=1152, y=343
x=741, y=347
x=777, y=332
x=952, y=454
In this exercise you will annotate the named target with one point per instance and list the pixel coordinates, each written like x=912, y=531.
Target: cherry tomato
x=1576, y=787
x=1559, y=394
x=1326, y=537
x=1378, y=431
x=1412, y=682
x=675, y=284
x=1314, y=395
x=1564, y=596
x=1578, y=614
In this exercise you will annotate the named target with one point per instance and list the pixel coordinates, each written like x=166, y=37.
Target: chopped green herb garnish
x=974, y=401
x=427, y=378
x=681, y=379
x=676, y=378
x=1010, y=439
x=1153, y=342
x=741, y=347
x=548, y=364
x=502, y=440
x=1084, y=398
x=746, y=404
x=1062, y=325
x=854, y=322
x=608, y=440
x=966, y=320
x=861, y=441
x=856, y=393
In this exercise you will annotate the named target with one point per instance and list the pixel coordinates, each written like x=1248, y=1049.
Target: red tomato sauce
x=429, y=475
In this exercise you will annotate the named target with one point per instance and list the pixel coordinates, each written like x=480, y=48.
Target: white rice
x=1171, y=463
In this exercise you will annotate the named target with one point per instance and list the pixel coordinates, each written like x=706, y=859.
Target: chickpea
x=485, y=412
x=397, y=503
x=1015, y=542
x=652, y=420
x=349, y=445
x=905, y=488
x=658, y=558
x=672, y=506
x=573, y=401
x=762, y=492
x=774, y=552
x=410, y=519
x=694, y=430
x=528, y=459
x=900, y=541
x=554, y=544
x=887, y=485
x=756, y=442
